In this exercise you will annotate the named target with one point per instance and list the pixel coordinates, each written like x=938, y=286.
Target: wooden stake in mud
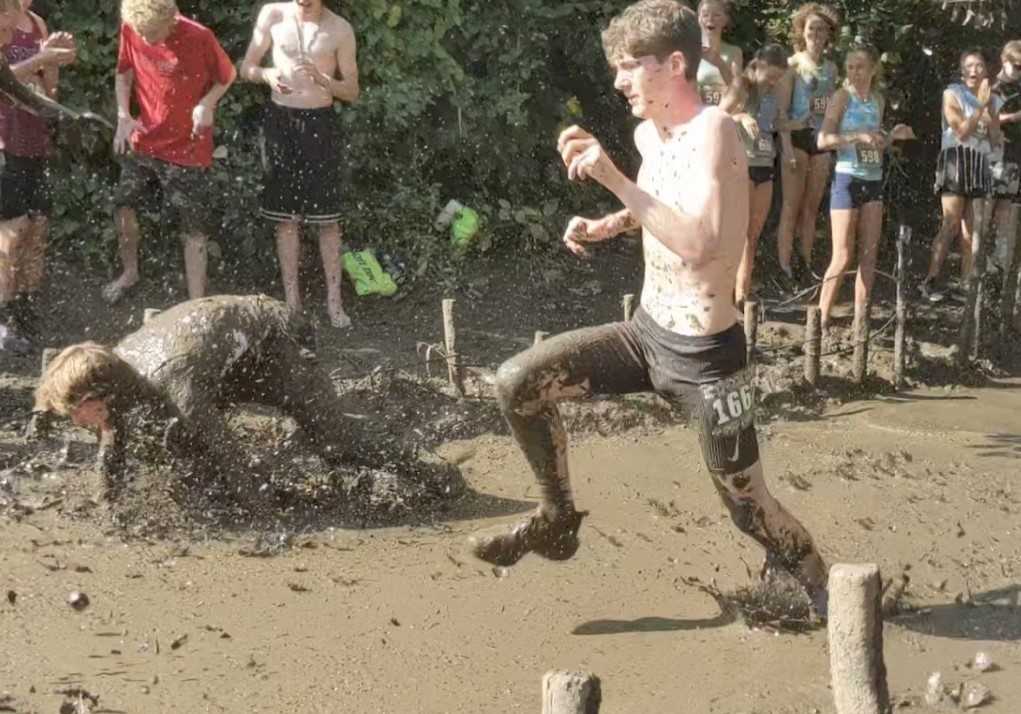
x=454, y=371
x=539, y=336
x=899, y=336
x=571, y=693
x=971, y=322
x=1008, y=293
x=813, y=345
x=48, y=354
x=861, y=342
x=855, y=629
x=751, y=329
x=150, y=312
x=629, y=306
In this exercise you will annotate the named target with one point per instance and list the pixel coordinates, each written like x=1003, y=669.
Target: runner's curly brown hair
x=658, y=28
x=813, y=9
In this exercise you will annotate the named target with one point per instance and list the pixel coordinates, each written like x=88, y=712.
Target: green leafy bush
x=461, y=99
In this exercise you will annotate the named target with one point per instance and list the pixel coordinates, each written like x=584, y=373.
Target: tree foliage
x=461, y=99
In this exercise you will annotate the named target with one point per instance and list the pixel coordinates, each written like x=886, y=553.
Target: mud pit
x=314, y=610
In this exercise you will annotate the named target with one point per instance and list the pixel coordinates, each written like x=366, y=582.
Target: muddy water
x=401, y=620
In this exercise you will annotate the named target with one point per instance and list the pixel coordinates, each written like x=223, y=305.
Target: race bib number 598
x=868, y=156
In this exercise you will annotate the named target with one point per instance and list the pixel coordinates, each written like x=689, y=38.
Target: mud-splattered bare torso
x=684, y=298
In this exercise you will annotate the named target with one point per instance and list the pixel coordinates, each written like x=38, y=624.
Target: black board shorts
x=301, y=159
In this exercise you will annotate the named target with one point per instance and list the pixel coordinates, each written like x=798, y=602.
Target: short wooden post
x=539, y=337
x=629, y=306
x=571, y=693
x=971, y=322
x=900, y=333
x=48, y=354
x=454, y=372
x=813, y=344
x=751, y=329
x=38, y=423
x=861, y=342
x=150, y=312
x=855, y=629
x=1009, y=291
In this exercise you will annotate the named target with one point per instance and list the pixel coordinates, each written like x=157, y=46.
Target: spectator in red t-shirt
x=34, y=56
x=176, y=71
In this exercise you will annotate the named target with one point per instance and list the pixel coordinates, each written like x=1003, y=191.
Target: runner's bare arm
x=251, y=69
x=995, y=134
x=784, y=93
x=734, y=100
x=694, y=236
x=345, y=87
x=830, y=136
x=952, y=112
x=123, y=83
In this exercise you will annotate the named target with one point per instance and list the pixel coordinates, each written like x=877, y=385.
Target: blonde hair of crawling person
x=79, y=374
x=145, y=15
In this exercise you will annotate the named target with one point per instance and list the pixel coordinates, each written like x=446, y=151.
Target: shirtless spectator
x=176, y=72
x=313, y=65
x=34, y=56
x=691, y=201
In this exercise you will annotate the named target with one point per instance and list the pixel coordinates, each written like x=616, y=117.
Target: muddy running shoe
x=931, y=292
x=555, y=540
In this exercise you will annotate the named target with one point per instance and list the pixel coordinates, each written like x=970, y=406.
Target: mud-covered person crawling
x=166, y=386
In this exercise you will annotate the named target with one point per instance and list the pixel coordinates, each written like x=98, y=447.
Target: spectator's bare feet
x=113, y=292
x=340, y=319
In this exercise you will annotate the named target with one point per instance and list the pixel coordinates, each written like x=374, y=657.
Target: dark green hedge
x=461, y=98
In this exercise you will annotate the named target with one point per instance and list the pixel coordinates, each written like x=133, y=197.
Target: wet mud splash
x=775, y=604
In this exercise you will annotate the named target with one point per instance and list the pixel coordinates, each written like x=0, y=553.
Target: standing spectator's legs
x=820, y=166
x=186, y=191
x=12, y=232
x=195, y=260
x=329, y=250
x=289, y=253
x=34, y=255
x=954, y=209
x=794, y=179
x=128, y=238
x=870, y=231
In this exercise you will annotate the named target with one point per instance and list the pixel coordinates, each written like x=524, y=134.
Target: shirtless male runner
x=313, y=66
x=691, y=201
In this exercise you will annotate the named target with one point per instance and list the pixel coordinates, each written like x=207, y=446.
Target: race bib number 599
x=819, y=105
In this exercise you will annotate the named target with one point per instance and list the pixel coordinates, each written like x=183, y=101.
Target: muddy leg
x=724, y=413
x=283, y=378
x=574, y=365
x=758, y=514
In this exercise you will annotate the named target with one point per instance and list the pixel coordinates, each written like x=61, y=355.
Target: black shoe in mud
x=555, y=539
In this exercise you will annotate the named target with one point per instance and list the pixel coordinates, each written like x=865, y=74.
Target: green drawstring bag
x=368, y=276
x=464, y=229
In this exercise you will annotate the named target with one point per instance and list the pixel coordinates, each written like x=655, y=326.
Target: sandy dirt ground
x=325, y=616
